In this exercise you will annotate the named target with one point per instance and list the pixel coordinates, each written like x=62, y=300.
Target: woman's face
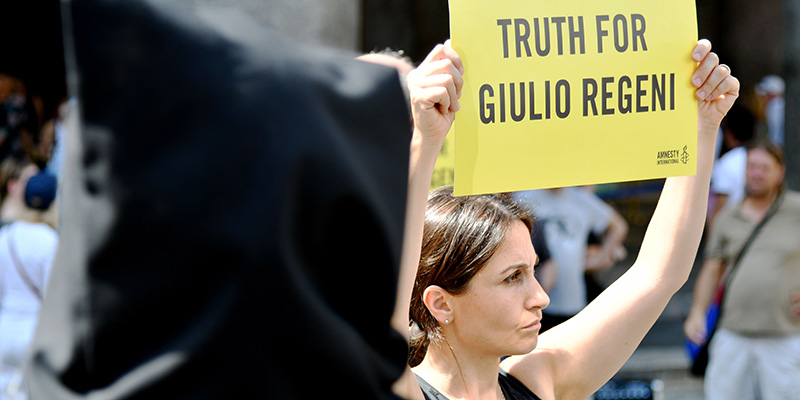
x=16, y=187
x=500, y=314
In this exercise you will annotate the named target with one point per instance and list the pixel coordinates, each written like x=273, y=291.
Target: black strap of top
x=512, y=388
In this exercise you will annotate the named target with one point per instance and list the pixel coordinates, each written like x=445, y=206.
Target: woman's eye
x=514, y=277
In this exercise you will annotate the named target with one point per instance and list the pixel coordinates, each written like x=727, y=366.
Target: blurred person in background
x=27, y=247
x=770, y=92
x=18, y=117
x=14, y=174
x=755, y=351
x=54, y=135
x=594, y=286
x=728, y=175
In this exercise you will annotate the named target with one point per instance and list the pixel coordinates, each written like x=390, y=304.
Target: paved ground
x=670, y=366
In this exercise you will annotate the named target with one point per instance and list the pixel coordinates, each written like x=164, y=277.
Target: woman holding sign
x=475, y=299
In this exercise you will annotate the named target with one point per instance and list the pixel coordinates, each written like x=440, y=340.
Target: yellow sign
x=564, y=93
x=444, y=170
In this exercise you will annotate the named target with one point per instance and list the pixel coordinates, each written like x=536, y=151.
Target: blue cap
x=41, y=191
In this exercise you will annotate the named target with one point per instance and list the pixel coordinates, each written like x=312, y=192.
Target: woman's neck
x=459, y=374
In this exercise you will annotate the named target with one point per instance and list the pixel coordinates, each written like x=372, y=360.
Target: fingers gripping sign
x=435, y=87
x=717, y=89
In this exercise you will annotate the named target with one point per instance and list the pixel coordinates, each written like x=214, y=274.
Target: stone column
x=791, y=129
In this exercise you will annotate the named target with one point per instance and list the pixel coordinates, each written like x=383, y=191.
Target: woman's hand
x=435, y=87
x=716, y=90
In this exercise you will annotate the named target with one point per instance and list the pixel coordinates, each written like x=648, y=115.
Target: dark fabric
x=539, y=240
x=593, y=286
x=512, y=388
x=551, y=320
x=429, y=391
x=233, y=213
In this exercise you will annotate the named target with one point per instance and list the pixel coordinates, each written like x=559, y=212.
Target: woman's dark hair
x=740, y=122
x=461, y=234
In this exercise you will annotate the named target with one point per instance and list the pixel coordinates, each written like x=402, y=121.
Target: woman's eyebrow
x=513, y=267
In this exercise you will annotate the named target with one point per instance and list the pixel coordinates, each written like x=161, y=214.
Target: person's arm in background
x=704, y=289
x=434, y=87
x=611, y=249
x=706, y=284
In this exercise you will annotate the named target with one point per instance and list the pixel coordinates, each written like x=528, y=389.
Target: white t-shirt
x=568, y=216
x=35, y=246
x=728, y=176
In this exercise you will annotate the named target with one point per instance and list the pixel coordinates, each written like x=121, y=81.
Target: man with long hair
x=755, y=352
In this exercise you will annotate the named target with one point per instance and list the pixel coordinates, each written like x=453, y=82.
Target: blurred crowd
x=31, y=140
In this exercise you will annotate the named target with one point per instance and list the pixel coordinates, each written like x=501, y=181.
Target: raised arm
x=582, y=354
x=434, y=87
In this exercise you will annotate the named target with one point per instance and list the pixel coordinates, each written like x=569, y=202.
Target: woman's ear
x=437, y=300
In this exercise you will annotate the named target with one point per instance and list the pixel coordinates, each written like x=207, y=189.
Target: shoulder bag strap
x=20, y=269
x=772, y=210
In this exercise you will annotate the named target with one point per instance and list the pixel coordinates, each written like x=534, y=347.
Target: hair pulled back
x=460, y=235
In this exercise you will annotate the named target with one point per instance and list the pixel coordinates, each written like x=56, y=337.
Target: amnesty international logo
x=674, y=156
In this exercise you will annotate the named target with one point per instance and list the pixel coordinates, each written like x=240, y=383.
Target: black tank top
x=512, y=388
